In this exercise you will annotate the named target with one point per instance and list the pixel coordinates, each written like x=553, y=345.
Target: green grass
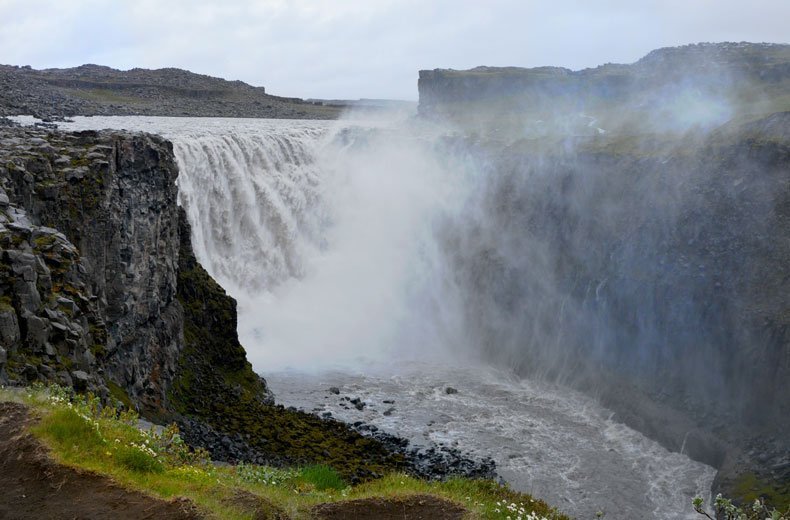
x=135, y=459
x=68, y=429
x=322, y=477
x=82, y=434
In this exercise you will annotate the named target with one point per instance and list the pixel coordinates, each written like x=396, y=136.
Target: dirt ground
x=418, y=507
x=32, y=486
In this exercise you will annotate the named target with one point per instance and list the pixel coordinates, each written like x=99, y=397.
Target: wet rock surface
x=428, y=459
x=430, y=462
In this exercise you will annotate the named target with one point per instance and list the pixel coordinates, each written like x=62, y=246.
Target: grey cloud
x=358, y=48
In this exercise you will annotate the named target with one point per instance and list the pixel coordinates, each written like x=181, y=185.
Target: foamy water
x=547, y=440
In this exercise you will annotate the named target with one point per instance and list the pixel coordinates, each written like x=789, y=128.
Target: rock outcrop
x=91, y=245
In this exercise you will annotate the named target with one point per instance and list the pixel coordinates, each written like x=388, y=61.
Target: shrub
x=175, y=451
x=726, y=510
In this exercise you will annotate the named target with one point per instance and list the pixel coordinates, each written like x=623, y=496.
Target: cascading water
x=253, y=231
x=366, y=249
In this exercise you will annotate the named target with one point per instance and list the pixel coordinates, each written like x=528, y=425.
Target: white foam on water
x=547, y=440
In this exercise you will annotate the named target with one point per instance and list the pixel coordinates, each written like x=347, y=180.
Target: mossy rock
x=76, y=162
x=749, y=487
x=120, y=395
x=43, y=242
x=6, y=304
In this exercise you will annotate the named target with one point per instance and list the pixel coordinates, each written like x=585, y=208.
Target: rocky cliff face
x=658, y=257
x=650, y=271
x=99, y=293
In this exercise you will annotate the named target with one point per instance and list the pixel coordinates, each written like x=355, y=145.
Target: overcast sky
x=366, y=48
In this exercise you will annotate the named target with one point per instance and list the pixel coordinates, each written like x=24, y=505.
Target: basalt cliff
x=90, y=249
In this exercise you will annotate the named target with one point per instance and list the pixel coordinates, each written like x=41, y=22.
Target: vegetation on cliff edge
x=106, y=440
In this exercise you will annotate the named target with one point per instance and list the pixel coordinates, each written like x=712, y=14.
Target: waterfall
x=357, y=245
x=381, y=245
x=254, y=203
x=344, y=241
x=324, y=233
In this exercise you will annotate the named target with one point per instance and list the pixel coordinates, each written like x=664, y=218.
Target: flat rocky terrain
x=668, y=90
x=90, y=90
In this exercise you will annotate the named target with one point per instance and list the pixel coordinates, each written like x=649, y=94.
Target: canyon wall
x=631, y=240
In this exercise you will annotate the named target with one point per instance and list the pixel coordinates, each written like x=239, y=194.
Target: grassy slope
x=81, y=435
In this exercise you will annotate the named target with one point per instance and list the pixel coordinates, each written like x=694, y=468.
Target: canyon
x=622, y=231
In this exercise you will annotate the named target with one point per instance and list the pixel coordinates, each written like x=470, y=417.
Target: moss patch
x=749, y=487
x=6, y=304
x=120, y=395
